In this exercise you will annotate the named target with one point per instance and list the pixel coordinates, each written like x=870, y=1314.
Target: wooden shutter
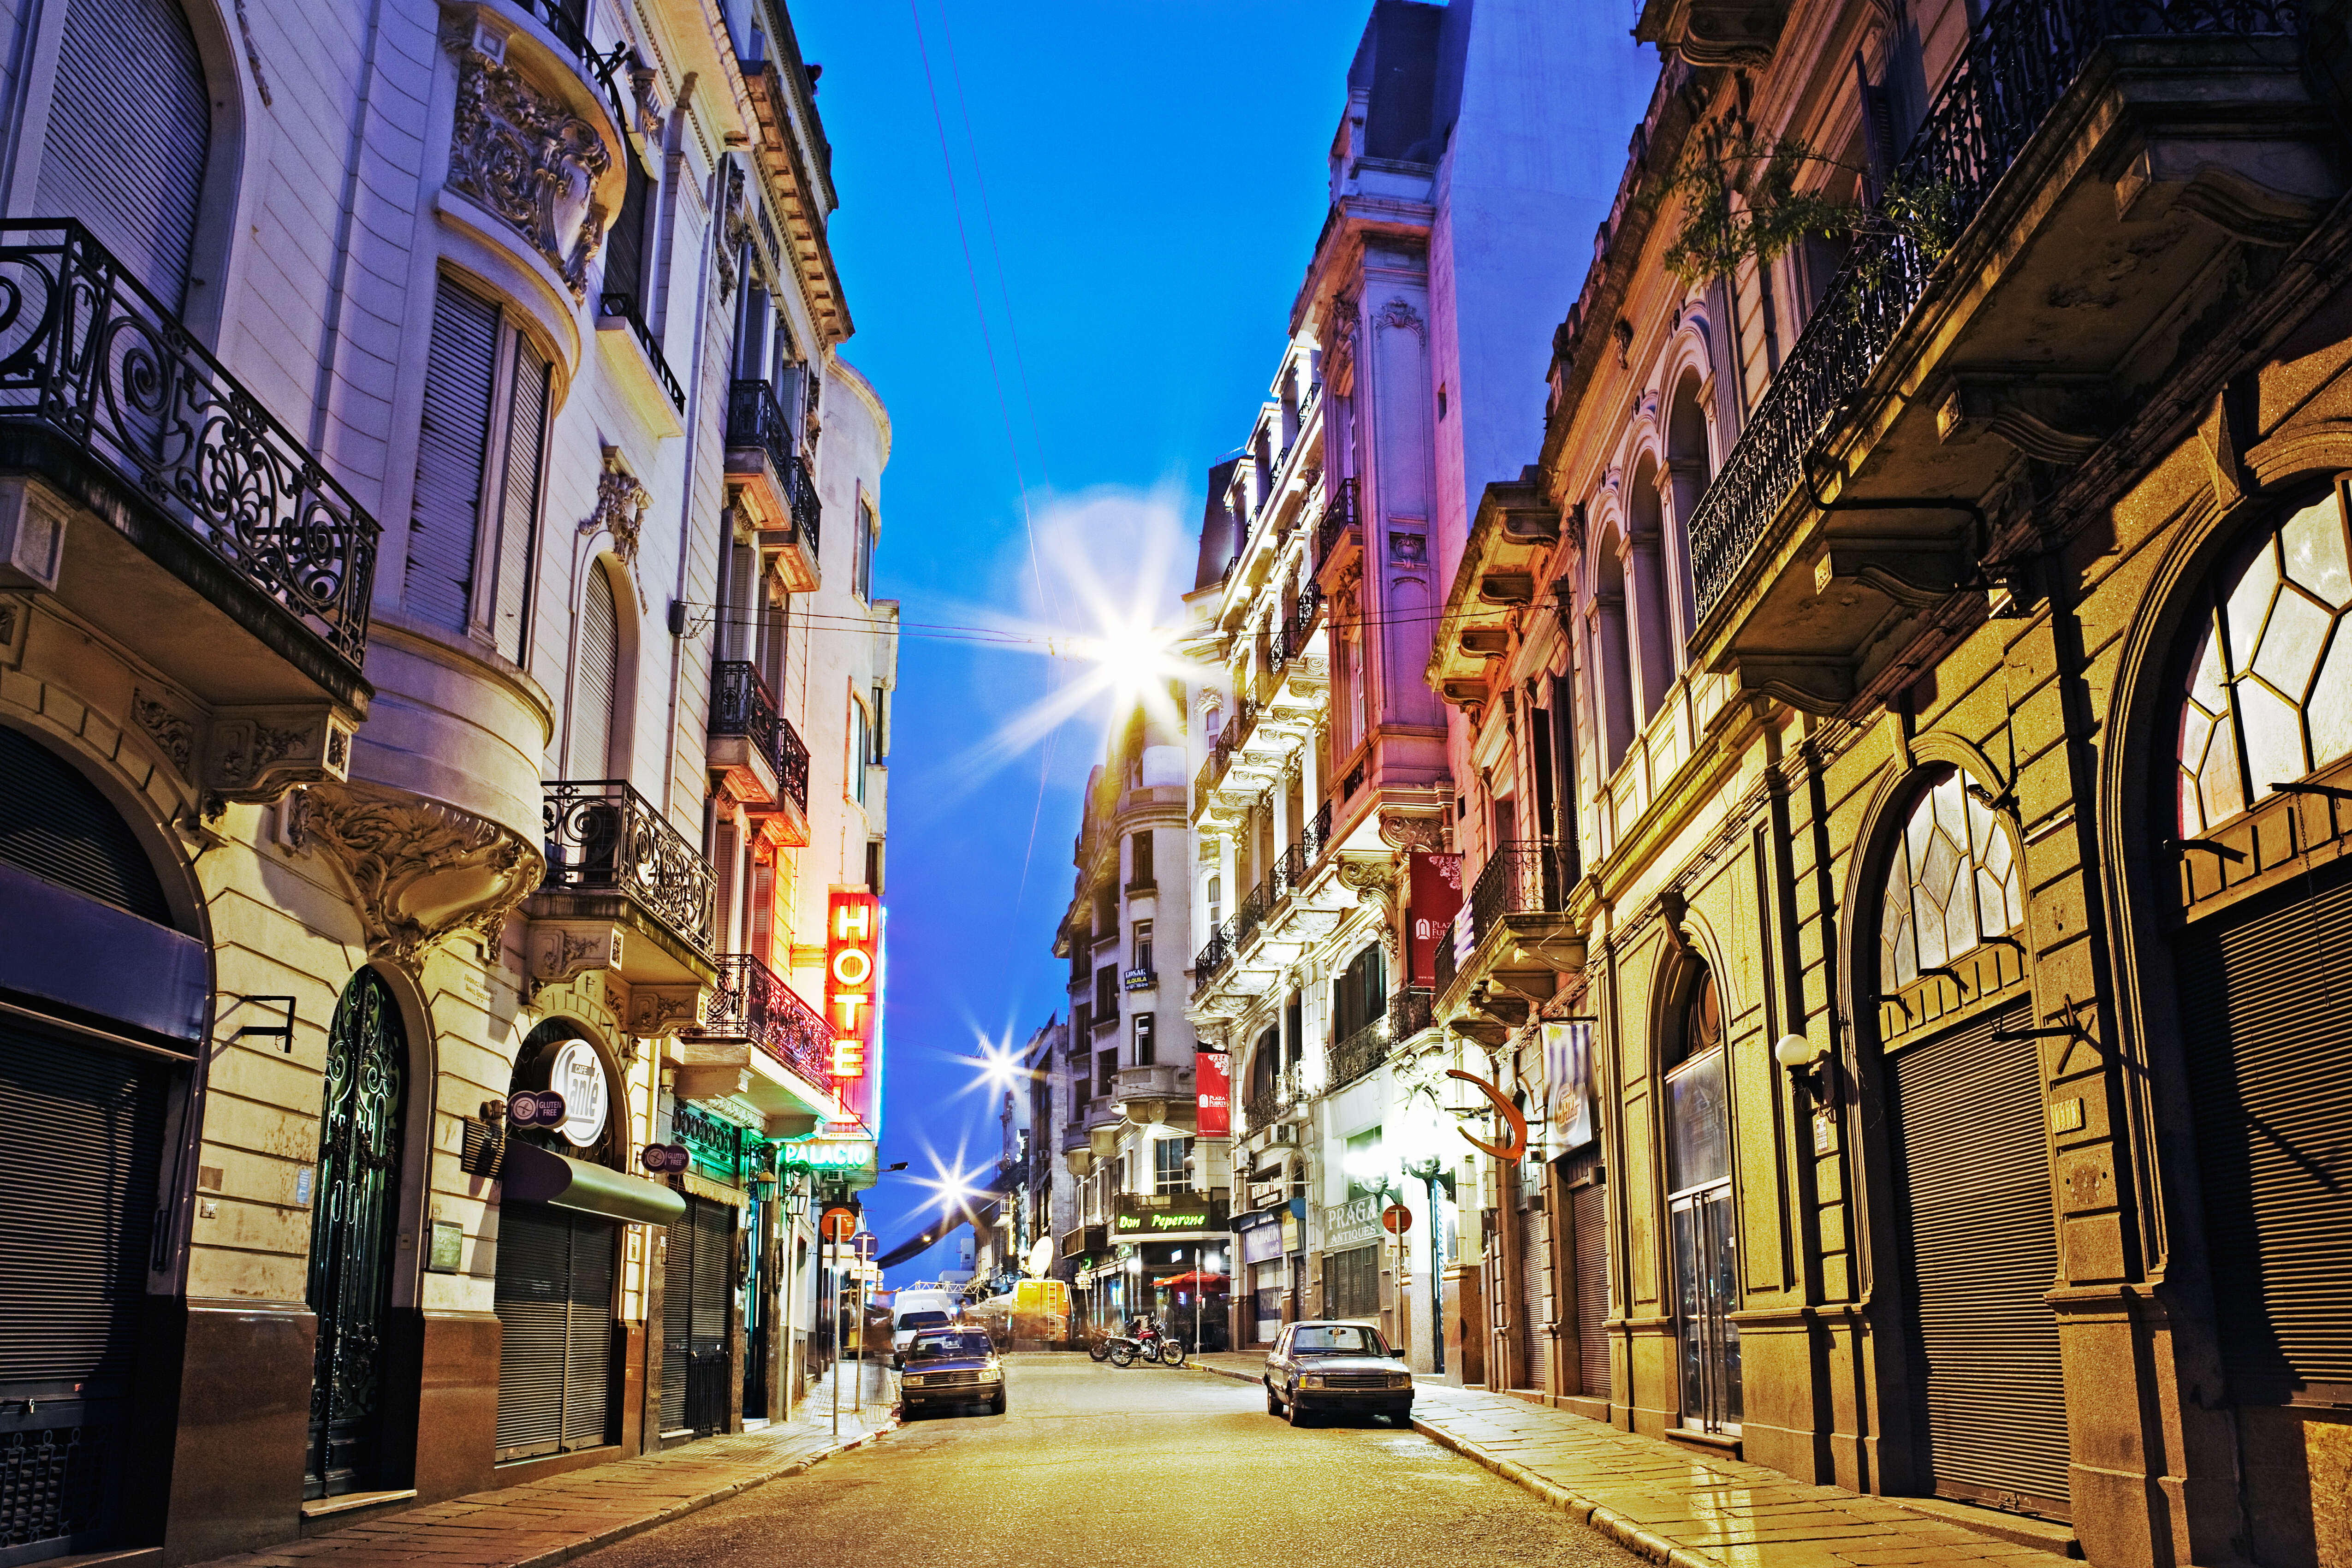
x=2266, y=1000
x=81, y=1145
x=452, y=446
x=530, y=1296
x=55, y=823
x=519, y=506
x=588, y=1336
x=1588, y=1220
x=596, y=672
x=723, y=866
x=763, y=923
x=128, y=130
x=1981, y=1252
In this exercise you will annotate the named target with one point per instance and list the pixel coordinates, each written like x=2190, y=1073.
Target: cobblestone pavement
x=1670, y=1505
x=539, y=1523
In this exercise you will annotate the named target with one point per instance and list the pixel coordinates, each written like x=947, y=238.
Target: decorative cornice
x=422, y=870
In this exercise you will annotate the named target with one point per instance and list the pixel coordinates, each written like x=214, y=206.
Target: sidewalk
x=540, y=1523
x=1687, y=1509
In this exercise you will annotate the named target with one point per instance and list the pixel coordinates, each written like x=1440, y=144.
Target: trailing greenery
x=1741, y=201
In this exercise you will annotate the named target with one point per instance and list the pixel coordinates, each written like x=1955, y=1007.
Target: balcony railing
x=800, y=494
x=568, y=20
x=1411, y=1010
x=740, y=705
x=1212, y=958
x=89, y=355
x=754, y=419
x=1303, y=612
x=791, y=765
x=603, y=836
x=1338, y=516
x=1522, y=877
x=749, y=1001
x=1360, y=1053
x=1442, y=970
x=1314, y=839
x=1250, y=914
x=1266, y=1108
x=2016, y=68
x=624, y=307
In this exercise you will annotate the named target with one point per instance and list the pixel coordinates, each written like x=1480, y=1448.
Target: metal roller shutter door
x=534, y=1247
x=2267, y=1005
x=55, y=823
x=452, y=448
x=1535, y=1282
x=1982, y=1252
x=588, y=1349
x=1588, y=1214
x=81, y=1148
x=129, y=127
x=678, y=1315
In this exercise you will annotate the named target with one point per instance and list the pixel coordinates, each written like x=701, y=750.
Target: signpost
x=1396, y=1219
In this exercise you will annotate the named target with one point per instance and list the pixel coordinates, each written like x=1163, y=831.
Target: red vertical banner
x=853, y=990
x=1433, y=889
x=1212, y=1077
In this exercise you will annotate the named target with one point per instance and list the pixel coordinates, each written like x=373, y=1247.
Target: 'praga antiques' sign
x=853, y=962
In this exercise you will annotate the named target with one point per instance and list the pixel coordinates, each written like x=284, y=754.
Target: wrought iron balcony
x=2016, y=67
x=791, y=765
x=603, y=836
x=1442, y=971
x=622, y=306
x=1360, y=1053
x=1212, y=958
x=568, y=20
x=754, y=419
x=1338, y=516
x=740, y=705
x=800, y=494
x=1289, y=870
x=1522, y=877
x=1250, y=914
x=1303, y=612
x=1268, y=1105
x=749, y=1001
x=1411, y=1010
x=1313, y=839
x=91, y=363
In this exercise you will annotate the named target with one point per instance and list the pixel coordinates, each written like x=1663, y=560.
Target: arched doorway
x=1703, y=1243
x=355, y=1228
x=2259, y=813
x=1975, y=1232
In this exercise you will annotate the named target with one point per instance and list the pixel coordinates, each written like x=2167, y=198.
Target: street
x=1092, y=1463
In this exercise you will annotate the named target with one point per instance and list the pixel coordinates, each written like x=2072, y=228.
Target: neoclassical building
x=1904, y=717
x=424, y=789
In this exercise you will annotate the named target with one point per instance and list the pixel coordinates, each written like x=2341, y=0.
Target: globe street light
x=1421, y=1154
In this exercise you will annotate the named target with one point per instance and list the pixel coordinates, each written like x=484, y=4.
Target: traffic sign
x=837, y=1225
x=1396, y=1219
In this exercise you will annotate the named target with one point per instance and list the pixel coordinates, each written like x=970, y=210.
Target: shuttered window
x=452, y=452
x=1981, y=1249
x=129, y=127
x=519, y=503
x=596, y=672
x=55, y=823
x=554, y=1300
x=2266, y=1000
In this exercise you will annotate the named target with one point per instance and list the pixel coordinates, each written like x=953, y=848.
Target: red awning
x=1204, y=1280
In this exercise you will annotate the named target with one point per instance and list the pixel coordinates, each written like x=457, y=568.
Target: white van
x=915, y=1309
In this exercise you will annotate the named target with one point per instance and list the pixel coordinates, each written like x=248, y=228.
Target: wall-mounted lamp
x=1806, y=1062
x=282, y=1033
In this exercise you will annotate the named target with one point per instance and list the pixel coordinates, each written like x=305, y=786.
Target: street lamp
x=1421, y=1154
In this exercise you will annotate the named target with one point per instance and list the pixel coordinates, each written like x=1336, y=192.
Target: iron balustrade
x=1338, y=516
x=1210, y=959
x=747, y=1000
x=740, y=705
x=1522, y=877
x=1442, y=971
x=1360, y=1053
x=1316, y=836
x=1411, y=1011
x=1265, y=1107
x=603, y=836
x=568, y=20
x=800, y=495
x=754, y=419
x=87, y=353
x=1251, y=913
x=2016, y=67
x=1289, y=871
x=1303, y=614
x=624, y=307
x=791, y=765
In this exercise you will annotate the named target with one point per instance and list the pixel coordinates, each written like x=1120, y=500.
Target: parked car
x=1324, y=1367
x=951, y=1367
x=915, y=1310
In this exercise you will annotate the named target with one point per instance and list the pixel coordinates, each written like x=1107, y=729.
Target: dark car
x=1320, y=1367
x=951, y=1367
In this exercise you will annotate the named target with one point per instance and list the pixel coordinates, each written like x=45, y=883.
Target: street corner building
x=442, y=701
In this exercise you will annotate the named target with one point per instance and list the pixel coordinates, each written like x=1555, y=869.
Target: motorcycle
x=1098, y=1346
x=1164, y=1348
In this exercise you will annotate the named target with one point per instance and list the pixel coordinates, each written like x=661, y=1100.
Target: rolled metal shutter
x=588, y=1336
x=678, y=1315
x=57, y=825
x=531, y=1298
x=714, y=1256
x=1589, y=1218
x=1981, y=1249
x=519, y=506
x=2266, y=1000
x=1535, y=1282
x=128, y=130
x=452, y=448
x=596, y=672
x=82, y=1147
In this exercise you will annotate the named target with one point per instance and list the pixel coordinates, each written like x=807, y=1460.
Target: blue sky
x=1153, y=174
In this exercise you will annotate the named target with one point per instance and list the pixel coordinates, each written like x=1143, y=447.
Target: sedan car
x=951, y=1367
x=1322, y=1366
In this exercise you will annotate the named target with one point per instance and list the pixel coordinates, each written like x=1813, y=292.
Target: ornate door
x=353, y=1222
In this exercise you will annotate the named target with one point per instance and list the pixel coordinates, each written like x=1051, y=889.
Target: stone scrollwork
x=621, y=502
x=524, y=156
x=256, y=756
x=560, y=952
x=659, y=1011
x=422, y=870
x=1375, y=883
x=1413, y=830
x=1397, y=315
x=173, y=733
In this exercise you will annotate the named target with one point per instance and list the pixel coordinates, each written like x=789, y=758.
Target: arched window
x=1953, y=885
x=1650, y=623
x=1614, y=655
x=1703, y=1237
x=129, y=132
x=2270, y=684
x=596, y=679
x=1689, y=466
x=55, y=823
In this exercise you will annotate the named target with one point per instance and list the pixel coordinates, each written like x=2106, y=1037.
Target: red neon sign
x=853, y=956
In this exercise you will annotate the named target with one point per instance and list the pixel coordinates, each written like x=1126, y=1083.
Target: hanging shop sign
x=1513, y=1145
x=1433, y=893
x=825, y=1155
x=853, y=995
x=1212, y=1075
x=659, y=1158
x=1568, y=1078
x=577, y=1075
x=1351, y=1224
x=535, y=1108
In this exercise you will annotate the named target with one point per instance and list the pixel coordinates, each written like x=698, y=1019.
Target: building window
x=861, y=559
x=1216, y=902
x=1139, y=872
x=596, y=679
x=1106, y=992
x=2264, y=708
x=1172, y=1165
x=874, y=865
x=1704, y=1241
x=1953, y=886
x=860, y=748
x=1106, y=1072
x=1360, y=994
x=1143, y=1049
x=1142, y=964
x=628, y=245
x=881, y=752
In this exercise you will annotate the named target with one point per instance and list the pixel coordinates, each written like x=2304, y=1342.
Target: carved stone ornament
x=174, y=734
x=256, y=754
x=560, y=951
x=1375, y=883
x=1397, y=315
x=420, y=870
x=621, y=502
x=1413, y=830
x=524, y=156
x=657, y=1011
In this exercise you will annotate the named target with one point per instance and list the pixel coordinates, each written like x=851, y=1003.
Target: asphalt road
x=1148, y=1466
